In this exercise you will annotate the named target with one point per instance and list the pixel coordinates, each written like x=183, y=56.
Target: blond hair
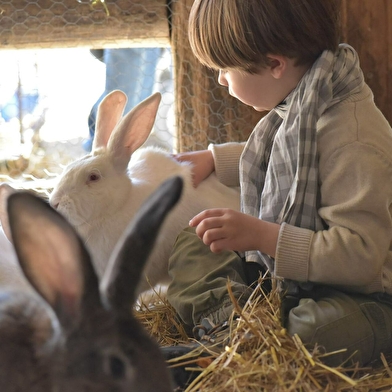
x=240, y=34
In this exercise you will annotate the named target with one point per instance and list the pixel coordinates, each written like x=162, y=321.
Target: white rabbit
x=100, y=193
x=79, y=336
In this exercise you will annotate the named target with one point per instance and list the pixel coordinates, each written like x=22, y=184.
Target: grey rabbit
x=78, y=335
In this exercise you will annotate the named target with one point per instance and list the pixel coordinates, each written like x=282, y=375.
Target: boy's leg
x=198, y=292
x=199, y=280
x=335, y=320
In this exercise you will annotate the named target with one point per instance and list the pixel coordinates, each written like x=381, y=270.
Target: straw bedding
x=261, y=356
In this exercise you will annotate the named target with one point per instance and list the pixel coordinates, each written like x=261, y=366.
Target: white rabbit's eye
x=94, y=177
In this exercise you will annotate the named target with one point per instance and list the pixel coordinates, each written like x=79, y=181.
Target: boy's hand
x=202, y=161
x=226, y=229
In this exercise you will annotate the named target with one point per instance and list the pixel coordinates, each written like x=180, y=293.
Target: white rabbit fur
x=75, y=335
x=100, y=193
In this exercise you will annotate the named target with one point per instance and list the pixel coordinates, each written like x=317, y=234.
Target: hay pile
x=261, y=356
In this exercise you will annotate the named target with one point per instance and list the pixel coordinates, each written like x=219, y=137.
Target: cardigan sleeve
x=227, y=159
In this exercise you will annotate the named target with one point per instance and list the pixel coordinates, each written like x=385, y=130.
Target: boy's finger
x=214, y=212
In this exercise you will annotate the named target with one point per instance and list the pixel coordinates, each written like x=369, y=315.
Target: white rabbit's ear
x=133, y=130
x=109, y=113
x=124, y=270
x=5, y=191
x=53, y=257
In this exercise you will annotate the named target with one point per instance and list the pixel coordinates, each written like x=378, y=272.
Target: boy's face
x=267, y=88
x=257, y=90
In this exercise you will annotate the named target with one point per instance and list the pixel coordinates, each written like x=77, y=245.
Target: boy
x=315, y=177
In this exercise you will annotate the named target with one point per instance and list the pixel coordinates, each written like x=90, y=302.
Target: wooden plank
x=72, y=23
x=367, y=27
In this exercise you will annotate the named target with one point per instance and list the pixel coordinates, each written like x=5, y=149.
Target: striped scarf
x=279, y=164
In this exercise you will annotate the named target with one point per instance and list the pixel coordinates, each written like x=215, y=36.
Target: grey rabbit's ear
x=52, y=257
x=125, y=268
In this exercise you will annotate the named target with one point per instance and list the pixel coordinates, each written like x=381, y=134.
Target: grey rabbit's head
x=84, y=336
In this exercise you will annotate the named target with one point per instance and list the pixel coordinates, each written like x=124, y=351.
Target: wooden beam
x=77, y=23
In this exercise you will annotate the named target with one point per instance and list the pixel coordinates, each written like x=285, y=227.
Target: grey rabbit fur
x=78, y=335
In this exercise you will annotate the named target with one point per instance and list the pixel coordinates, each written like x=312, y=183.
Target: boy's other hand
x=227, y=229
x=202, y=164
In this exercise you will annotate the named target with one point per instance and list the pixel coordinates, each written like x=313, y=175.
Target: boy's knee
x=329, y=330
x=302, y=320
x=357, y=331
x=325, y=318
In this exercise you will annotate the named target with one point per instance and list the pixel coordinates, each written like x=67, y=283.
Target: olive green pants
x=361, y=325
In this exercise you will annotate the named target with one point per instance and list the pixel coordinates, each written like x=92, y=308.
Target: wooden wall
x=367, y=26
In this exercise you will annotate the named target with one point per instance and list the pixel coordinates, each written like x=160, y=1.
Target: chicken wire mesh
x=58, y=59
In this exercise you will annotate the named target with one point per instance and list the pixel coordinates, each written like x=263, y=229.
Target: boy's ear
x=277, y=65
